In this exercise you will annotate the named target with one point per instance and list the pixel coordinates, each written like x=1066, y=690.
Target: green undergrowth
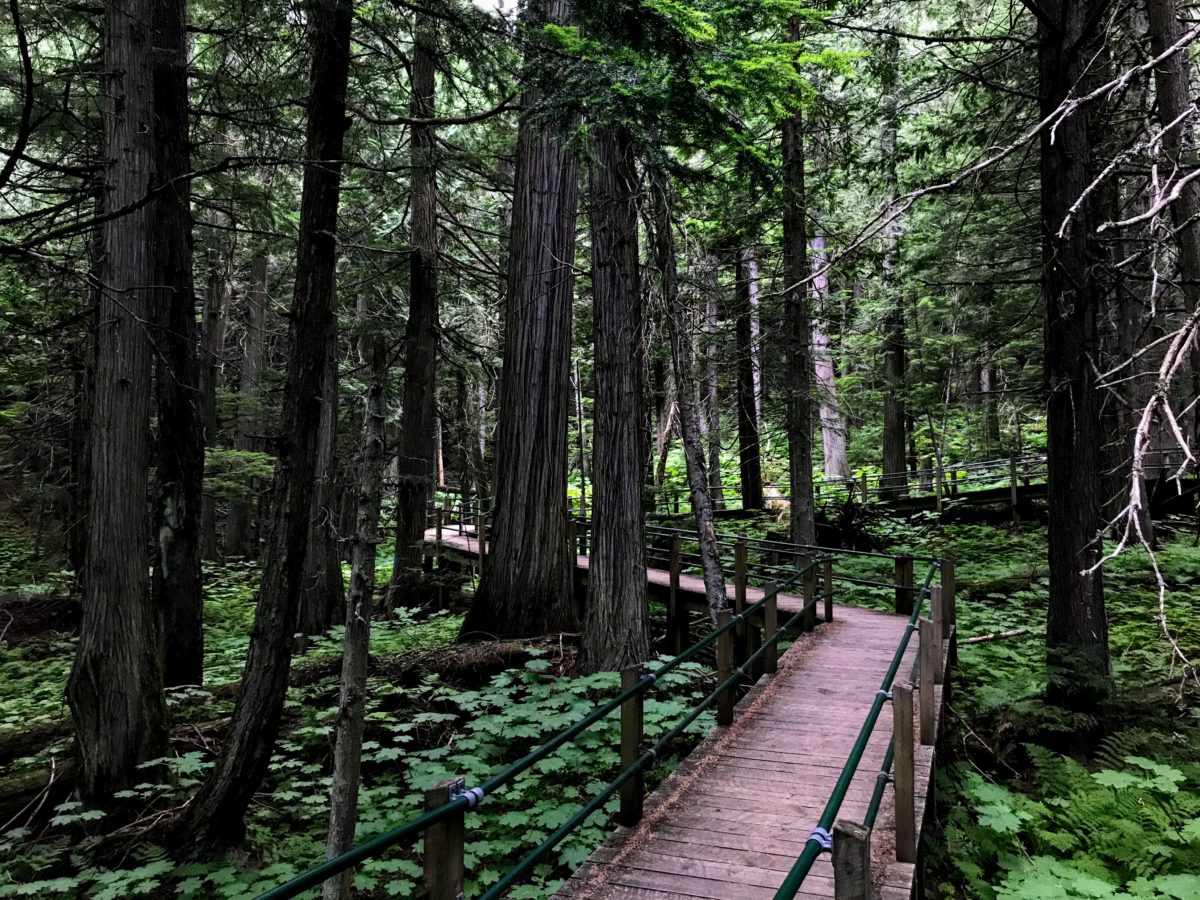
x=420, y=730
x=1027, y=809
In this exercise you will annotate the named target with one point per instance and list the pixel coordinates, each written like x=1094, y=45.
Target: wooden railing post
x=770, y=626
x=938, y=615
x=676, y=608
x=809, y=591
x=739, y=599
x=828, y=588
x=852, y=862
x=633, y=790
x=948, y=600
x=725, y=669
x=904, y=585
x=949, y=612
x=904, y=773
x=573, y=538
x=865, y=495
x=930, y=656
x=444, y=845
x=675, y=498
x=462, y=515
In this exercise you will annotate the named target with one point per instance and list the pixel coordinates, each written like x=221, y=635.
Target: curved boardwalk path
x=731, y=820
x=733, y=817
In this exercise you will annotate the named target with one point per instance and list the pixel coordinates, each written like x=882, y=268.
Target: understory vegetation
x=1026, y=810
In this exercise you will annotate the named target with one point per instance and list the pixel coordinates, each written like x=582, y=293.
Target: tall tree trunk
x=711, y=424
x=663, y=247
x=616, y=632
x=991, y=412
x=833, y=426
x=1174, y=91
x=347, y=752
x=581, y=425
x=218, y=294
x=749, y=460
x=797, y=327
x=116, y=686
x=1079, y=668
x=417, y=443
x=177, y=587
x=323, y=593
x=218, y=810
x=240, y=527
x=526, y=588
x=81, y=424
x=895, y=363
x=756, y=342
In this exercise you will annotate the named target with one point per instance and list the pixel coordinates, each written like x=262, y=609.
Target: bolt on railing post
x=676, y=607
x=770, y=627
x=904, y=585
x=930, y=656
x=444, y=845
x=724, y=669
x=827, y=566
x=905, y=773
x=852, y=862
x=632, y=725
x=938, y=615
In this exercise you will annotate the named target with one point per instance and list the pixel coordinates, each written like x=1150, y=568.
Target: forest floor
x=1023, y=813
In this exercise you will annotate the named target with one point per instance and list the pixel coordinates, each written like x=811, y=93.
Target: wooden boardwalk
x=729, y=823
x=731, y=820
x=692, y=586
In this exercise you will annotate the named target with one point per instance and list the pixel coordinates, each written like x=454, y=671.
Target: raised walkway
x=731, y=821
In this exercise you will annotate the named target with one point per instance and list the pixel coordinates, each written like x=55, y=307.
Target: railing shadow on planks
x=747, y=645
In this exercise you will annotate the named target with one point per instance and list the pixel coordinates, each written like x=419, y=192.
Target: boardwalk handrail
x=469, y=798
x=819, y=841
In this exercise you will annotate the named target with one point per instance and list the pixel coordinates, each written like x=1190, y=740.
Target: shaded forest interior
x=290, y=291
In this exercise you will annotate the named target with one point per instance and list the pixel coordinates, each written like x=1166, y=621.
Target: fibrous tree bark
x=1078, y=662
x=417, y=441
x=615, y=630
x=116, y=686
x=833, y=425
x=240, y=527
x=217, y=812
x=749, y=459
x=797, y=327
x=663, y=248
x=347, y=752
x=526, y=588
x=710, y=424
x=323, y=593
x=895, y=363
x=218, y=295
x=177, y=588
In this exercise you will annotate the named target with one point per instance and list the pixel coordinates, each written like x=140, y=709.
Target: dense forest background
x=278, y=281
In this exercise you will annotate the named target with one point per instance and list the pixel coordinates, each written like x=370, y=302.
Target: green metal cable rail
x=820, y=839
x=470, y=798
